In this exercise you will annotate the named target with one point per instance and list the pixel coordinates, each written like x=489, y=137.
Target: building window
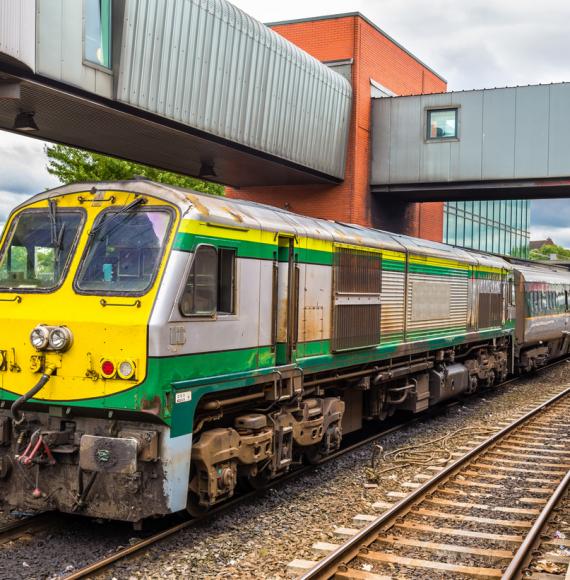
x=442, y=124
x=210, y=287
x=488, y=226
x=97, y=41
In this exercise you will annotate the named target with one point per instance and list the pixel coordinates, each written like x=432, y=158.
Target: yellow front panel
x=115, y=331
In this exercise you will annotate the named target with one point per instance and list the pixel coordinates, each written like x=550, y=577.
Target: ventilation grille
x=356, y=326
x=357, y=308
x=490, y=309
x=357, y=271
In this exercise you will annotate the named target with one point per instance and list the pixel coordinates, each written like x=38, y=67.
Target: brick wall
x=376, y=57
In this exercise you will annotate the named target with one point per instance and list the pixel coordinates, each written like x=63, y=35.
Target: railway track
x=483, y=516
x=25, y=527
x=138, y=548
x=41, y=522
x=130, y=551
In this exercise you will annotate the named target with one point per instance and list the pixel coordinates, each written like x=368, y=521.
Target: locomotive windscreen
x=123, y=255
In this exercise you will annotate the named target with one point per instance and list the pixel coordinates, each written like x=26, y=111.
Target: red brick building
x=372, y=58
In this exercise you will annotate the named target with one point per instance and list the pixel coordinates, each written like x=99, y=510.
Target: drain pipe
x=15, y=409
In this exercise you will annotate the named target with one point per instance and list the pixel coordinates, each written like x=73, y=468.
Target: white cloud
x=474, y=44
x=559, y=235
x=22, y=171
x=23, y=163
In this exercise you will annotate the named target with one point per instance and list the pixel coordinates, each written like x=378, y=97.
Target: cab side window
x=226, y=280
x=210, y=287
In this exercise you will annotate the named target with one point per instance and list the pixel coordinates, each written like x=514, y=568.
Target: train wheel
x=260, y=481
x=314, y=454
x=194, y=508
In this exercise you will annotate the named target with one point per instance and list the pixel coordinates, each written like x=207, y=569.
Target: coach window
x=561, y=301
x=97, y=32
x=535, y=303
x=441, y=124
x=210, y=287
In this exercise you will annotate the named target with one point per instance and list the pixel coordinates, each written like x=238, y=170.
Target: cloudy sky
x=472, y=43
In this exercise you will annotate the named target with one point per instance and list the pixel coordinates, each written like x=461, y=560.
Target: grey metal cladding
x=559, y=130
x=531, y=140
x=499, y=122
x=405, y=153
x=207, y=64
x=17, y=36
x=381, y=146
x=507, y=133
x=466, y=153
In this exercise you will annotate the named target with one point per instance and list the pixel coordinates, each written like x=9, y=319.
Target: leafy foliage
x=544, y=252
x=69, y=165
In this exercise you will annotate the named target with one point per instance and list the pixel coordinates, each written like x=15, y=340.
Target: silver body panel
x=175, y=453
x=436, y=302
x=545, y=328
x=206, y=333
x=393, y=307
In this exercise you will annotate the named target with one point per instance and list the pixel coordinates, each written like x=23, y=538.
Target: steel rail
x=33, y=523
x=328, y=566
x=130, y=550
x=524, y=553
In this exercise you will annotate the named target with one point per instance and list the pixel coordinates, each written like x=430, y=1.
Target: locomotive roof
x=253, y=215
x=544, y=273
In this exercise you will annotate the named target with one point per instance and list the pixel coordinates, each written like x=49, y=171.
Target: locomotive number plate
x=183, y=397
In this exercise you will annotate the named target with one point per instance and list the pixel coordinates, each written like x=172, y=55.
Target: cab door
x=285, y=299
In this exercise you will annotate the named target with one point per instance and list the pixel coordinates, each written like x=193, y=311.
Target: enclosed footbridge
x=192, y=86
x=506, y=143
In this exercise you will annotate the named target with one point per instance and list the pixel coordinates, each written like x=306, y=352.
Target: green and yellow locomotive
x=158, y=345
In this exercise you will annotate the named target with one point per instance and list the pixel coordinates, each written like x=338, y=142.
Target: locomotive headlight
x=126, y=369
x=39, y=337
x=60, y=338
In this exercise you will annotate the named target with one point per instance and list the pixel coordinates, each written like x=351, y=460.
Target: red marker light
x=107, y=368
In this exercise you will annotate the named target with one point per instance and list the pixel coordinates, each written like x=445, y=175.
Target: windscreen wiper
x=118, y=217
x=53, y=221
x=56, y=237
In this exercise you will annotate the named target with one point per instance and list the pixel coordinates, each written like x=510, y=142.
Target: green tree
x=69, y=165
x=544, y=252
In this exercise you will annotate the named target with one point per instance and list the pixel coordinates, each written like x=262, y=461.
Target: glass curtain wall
x=498, y=226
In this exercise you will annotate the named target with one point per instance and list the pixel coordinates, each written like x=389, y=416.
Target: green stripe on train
x=205, y=373
x=257, y=250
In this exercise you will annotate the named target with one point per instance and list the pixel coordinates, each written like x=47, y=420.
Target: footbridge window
x=441, y=124
x=97, y=32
